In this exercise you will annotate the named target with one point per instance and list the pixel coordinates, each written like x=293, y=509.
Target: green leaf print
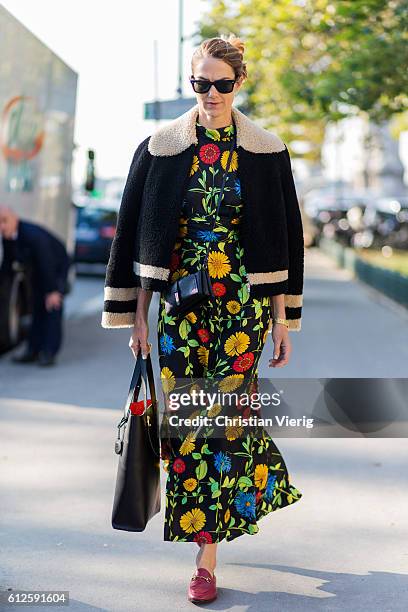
x=184, y=329
x=193, y=342
x=244, y=482
x=214, y=134
x=236, y=278
x=232, y=522
x=203, y=179
x=243, y=294
x=185, y=350
x=201, y=469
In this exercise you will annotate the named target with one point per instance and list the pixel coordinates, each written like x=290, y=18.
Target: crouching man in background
x=48, y=260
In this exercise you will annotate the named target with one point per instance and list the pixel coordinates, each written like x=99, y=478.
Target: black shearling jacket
x=271, y=227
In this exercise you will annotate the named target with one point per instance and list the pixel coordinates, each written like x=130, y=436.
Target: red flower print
x=243, y=362
x=258, y=496
x=218, y=289
x=209, y=153
x=203, y=537
x=179, y=466
x=174, y=262
x=203, y=335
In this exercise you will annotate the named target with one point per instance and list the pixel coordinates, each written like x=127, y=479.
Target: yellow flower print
x=168, y=380
x=192, y=317
x=232, y=382
x=218, y=264
x=235, y=220
x=203, y=355
x=193, y=520
x=178, y=274
x=234, y=431
x=188, y=444
x=195, y=387
x=234, y=161
x=194, y=165
x=236, y=343
x=190, y=484
x=227, y=515
x=261, y=475
x=214, y=410
x=233, y=306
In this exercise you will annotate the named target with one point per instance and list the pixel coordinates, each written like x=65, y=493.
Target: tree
x=315, y=61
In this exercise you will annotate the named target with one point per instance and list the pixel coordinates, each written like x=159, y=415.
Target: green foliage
x=314, y=61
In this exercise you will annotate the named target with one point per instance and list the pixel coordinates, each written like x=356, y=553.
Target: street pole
x=156, y=83
x=180, y=51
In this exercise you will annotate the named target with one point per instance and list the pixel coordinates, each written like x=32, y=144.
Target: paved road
x=344, y=546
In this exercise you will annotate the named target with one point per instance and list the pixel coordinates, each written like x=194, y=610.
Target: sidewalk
x=343, y=547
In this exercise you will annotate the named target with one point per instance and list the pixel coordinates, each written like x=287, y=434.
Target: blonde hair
x=230, y=50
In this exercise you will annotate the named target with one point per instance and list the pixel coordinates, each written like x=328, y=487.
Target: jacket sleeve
x=294, y=292
x=121, y=283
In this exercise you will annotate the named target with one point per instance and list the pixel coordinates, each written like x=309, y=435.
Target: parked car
x=386, y=223
x=95, y=229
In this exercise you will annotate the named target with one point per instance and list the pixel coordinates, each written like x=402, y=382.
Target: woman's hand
x=282, y=346
x=139, y=336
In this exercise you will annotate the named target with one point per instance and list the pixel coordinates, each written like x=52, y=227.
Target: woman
x=217, y=486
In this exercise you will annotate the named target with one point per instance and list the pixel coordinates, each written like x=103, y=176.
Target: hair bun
x=236, y=42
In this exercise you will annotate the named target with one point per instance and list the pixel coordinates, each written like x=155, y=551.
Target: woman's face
x=213, y=103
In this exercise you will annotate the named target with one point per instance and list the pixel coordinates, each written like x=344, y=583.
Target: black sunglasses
x=222, y=85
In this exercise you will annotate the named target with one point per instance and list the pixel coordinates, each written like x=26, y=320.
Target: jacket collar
x=180, y=133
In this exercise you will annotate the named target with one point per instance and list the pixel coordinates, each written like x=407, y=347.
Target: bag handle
x=142, y=376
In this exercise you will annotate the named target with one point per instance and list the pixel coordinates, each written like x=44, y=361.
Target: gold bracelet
x=278, y=320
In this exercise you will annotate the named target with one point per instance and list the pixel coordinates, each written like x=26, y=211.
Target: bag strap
x=231, y=149
x=142, y=375
x=139, y=376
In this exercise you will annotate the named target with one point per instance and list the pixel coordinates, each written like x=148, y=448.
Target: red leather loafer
x=203, y=586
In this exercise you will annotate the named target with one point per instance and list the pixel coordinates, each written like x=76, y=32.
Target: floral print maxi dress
x=217, y=487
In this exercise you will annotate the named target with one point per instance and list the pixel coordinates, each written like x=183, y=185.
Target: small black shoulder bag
x=188, y=291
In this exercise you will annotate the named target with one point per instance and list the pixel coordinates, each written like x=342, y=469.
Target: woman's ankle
x=206, y=558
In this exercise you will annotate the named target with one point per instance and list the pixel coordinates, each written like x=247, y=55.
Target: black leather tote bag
x=137, y=490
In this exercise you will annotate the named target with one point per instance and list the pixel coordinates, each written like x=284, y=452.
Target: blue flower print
x=207, y=235
x=167, y=344
x=270, y=485
x=237, y=187
x=222, y=462
x=245, y=504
